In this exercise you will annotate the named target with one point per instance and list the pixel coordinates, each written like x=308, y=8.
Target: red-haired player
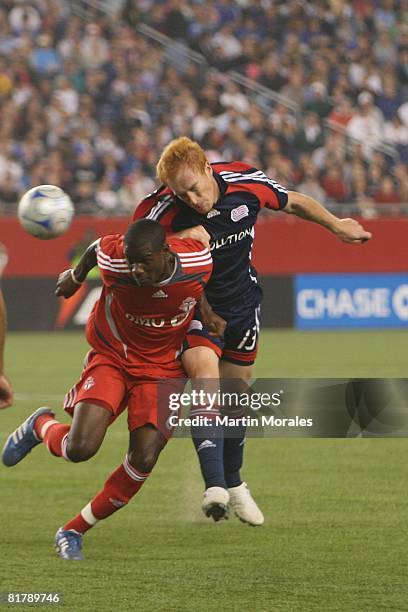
x=224, y=199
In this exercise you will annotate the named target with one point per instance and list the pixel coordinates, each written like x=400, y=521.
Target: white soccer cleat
x=245, y=506
x=215, y=503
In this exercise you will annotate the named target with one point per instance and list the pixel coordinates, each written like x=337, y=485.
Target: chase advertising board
x=351, y=300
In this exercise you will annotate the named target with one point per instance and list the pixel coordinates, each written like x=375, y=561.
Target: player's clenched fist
x=215, y=324
x=351, y=231
x=67, y=285
x=212, y=321
x=198, y=232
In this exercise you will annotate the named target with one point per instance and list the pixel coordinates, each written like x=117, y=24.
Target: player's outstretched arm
x=70, y=280
x=348, y=230
x=6, y=391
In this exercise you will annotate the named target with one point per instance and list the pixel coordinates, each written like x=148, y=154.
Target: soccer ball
x=45, y=211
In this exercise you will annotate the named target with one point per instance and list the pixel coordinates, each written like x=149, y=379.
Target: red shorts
x=108, y=385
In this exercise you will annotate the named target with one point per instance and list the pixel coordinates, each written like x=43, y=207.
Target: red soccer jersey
x=143, y=328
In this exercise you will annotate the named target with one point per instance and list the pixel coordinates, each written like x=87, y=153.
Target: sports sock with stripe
x=117, y=491
x=53, y=433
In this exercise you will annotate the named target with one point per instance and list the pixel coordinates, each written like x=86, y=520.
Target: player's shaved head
x=144, y=235
x=179, y=153
x=148, y=255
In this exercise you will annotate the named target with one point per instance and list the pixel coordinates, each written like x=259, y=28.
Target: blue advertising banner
x=351, y=300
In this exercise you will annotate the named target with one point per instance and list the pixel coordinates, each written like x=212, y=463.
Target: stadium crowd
x=88, y=104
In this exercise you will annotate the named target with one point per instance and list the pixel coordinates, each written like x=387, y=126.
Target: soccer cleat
x=245, y=506
x=215, y=503
x=68, y=544
x=23, y=439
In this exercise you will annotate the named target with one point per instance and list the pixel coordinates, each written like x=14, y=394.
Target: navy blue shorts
x=239, y=344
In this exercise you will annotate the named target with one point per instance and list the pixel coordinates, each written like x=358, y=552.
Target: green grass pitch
x=335, y=536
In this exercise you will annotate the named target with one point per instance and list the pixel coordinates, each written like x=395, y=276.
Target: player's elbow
x=295, y=200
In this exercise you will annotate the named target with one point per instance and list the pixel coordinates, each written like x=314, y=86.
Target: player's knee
x=202, y=370
x=144, y=460
x=80, y=450
x=201, y=363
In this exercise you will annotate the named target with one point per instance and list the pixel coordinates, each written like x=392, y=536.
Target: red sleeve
x=144, y=207
x=158, y=206
x=110, y=257
x=195, y=257
x=234, y=166
x=269, y=193
x=241, y=177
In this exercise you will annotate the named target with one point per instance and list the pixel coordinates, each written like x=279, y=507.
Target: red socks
x=117, y=491
x=53, y=434
x=119, y=488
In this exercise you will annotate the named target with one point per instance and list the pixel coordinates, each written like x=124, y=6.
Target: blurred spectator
x=360, y=195
x=387, y=194
x=385, y=51
x=366, y=125
x=84, y=197
x=396, y=132
x=310, y=136
x=319, y=102
x=271, y=75
x=94, y=48
x=310, y=184
x=135, y=187
x=176, y=21
x=6, y=79
x=67, y=96
x=9, y=195
x=44, y=58
x=401, y=180
x=334, y=185
x=333, y=151
x=295, y=86
x=106, y=199
x=24, y=18
x=89, y=104
x=390, y=99
x=402, y=68
x=232, y=97
x=342, y=113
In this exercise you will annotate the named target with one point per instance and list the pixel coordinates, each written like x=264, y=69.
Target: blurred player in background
x=136, y=331
x=223, y=201
x=6, y=391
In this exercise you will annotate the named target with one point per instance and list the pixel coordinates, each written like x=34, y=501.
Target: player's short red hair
x=180, y=152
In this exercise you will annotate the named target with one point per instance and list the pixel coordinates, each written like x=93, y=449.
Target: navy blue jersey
x=244, y=191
